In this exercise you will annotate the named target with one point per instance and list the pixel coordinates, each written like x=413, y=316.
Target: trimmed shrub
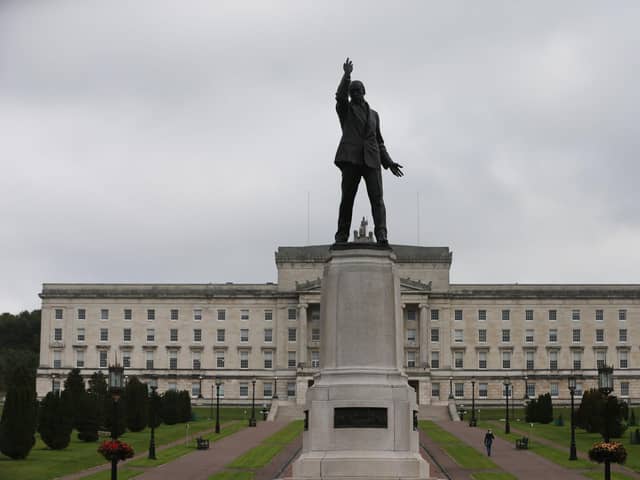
x=18, y=422
x=169, y=407
x=87, y=419
x=55, y=421
x=137, y=404
x=600, y=414
x=184, y=406
x=110, y=409
x=99, y=391
x=632, y=418
x=155, y=405
x=73, y=394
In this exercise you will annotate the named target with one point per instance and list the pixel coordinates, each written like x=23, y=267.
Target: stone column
x=425, y=325
x=302, y=334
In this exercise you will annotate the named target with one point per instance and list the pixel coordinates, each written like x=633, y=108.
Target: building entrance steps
x=433, y=412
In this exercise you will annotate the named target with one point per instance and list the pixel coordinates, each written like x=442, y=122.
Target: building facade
x=268, y=336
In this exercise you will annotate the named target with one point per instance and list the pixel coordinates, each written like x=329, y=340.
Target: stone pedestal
x=360, y=409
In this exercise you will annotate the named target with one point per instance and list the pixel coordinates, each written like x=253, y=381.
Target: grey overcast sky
x=154, y=141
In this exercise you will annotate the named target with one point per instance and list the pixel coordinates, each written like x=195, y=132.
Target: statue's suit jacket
x=361, y=140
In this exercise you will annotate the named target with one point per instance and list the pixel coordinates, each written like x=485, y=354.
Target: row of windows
x=127, y=336
x=552, y=315
x=196, y=359
x=174, y=314
x=529, y=336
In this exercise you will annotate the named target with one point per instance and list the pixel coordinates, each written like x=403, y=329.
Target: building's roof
x=542, y=291
x=404, y=254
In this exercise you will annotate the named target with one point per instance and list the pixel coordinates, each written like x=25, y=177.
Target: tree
x=545, y=408
x=137, y=404
x=55, y=421
x=602, y=414
x=155, y=405
x=110, y=410
x=73, y=395
x=169, y=407
x=530, y=411
x=632, y=419
x=87, y=419
x=19, y=343
x=18, y=422
x=99, y=390
x=184, y=406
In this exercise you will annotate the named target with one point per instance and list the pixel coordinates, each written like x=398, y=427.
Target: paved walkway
x=523, y=464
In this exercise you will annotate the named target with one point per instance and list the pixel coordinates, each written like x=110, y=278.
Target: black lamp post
x=200, y=387
x=605, y=386
x=116, y=384
x=154, y=407
x=572, y=391
x=450, y=388
x=275, y=388
x=526, y=388
x=252, y=420
x=53, y=381
x=507, y=386
x=473, y=422
x=211, y=404
x=218, y=383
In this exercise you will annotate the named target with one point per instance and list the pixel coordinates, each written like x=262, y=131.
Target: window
x=244, y=335
x=268, y=359
x=126, y=359
x=197, y=335
x=411, y=359
x=268, y=335
x=482, y=335
x=435, y=390
x=624, y=389
x=196, y=360
x=458, y=359
x=315, y=313
x=82, y=314
x=507, y=390
x=244, y=314
x=58, y=314
x=151, y=334
x=458, y=335
x=57, y=334
x=195, y=389
x=599, y=315
x=577, y=359
x=528, y=315
x=622, y=335
x=599, y=335
x=506, y=315
x=267, y=389
x=175, y=315
x=172, y=386
x=292, y=314
x=411, y=335
x=553, y=360
x=244, y=359
x=482, y=360
x=173, y=359
x=528, y=336
x=483, y=390
x=80, y=334
x=482, y=315
x=57, y=359
x=126, y=335
x=149, y=359
x=104, y=314
x=575, y=315
x=623, y=358
x=220, y=335
x=457, y=314
x=127, y=314
x=506, y=359
x=315, y=334
x=553, y=335
x=576, y=335
x=291, y=389
x=103, y=358
x=173, y=335
x=506, y=335
x=411, y=314
x=458, y=390
x=219, y=359
x=222, y=314
x=268, y=315
x=622, y=314
x=435, y=359
x=529, y=360
x=153, y=382
x=79, y=358
x=104, y=334
x=531, y=390
x=435, y=314
x=553, y=315
x=601, y=358
x=151, y=314
x=244, y=389
x=554, y=389
x=579, y=389
x=315, y=359
x=197, y=314
x=291, y=336
x=435, y=335
x=291, y=359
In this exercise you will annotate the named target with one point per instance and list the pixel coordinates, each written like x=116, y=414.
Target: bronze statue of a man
x=361, y=153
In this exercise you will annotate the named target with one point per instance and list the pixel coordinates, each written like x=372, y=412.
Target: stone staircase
x=287, y=411
x=433, y=412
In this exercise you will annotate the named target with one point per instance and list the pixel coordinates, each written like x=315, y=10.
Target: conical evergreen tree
x=169, y=407
x=73, y=395
x=55, y=421
x=87, y=418
x=99, y=390
x=137, y=404
x=18, y=423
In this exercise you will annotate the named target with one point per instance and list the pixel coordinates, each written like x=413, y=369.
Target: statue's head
x=356, y=90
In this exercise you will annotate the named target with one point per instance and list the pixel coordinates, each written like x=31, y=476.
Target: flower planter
x=115, y=449
x=614, y=452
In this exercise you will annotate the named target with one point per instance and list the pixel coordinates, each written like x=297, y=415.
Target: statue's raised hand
x=396, y=169
x=348, y=66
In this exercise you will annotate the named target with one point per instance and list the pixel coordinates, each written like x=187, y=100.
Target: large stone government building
x=184, y=336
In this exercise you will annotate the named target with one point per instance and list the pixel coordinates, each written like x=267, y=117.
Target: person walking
x=488, y=441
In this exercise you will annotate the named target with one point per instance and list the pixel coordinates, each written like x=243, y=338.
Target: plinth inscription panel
x=359, y=417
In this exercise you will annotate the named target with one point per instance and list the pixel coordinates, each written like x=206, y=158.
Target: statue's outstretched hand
x=396, y=169
x=348, y=66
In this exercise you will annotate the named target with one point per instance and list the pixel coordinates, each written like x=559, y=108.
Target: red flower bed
x=111, y=449
x=612, y=451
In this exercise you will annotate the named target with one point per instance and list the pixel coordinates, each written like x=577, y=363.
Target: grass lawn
x=493, y=476
x=599, y=475
x=43, y=463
